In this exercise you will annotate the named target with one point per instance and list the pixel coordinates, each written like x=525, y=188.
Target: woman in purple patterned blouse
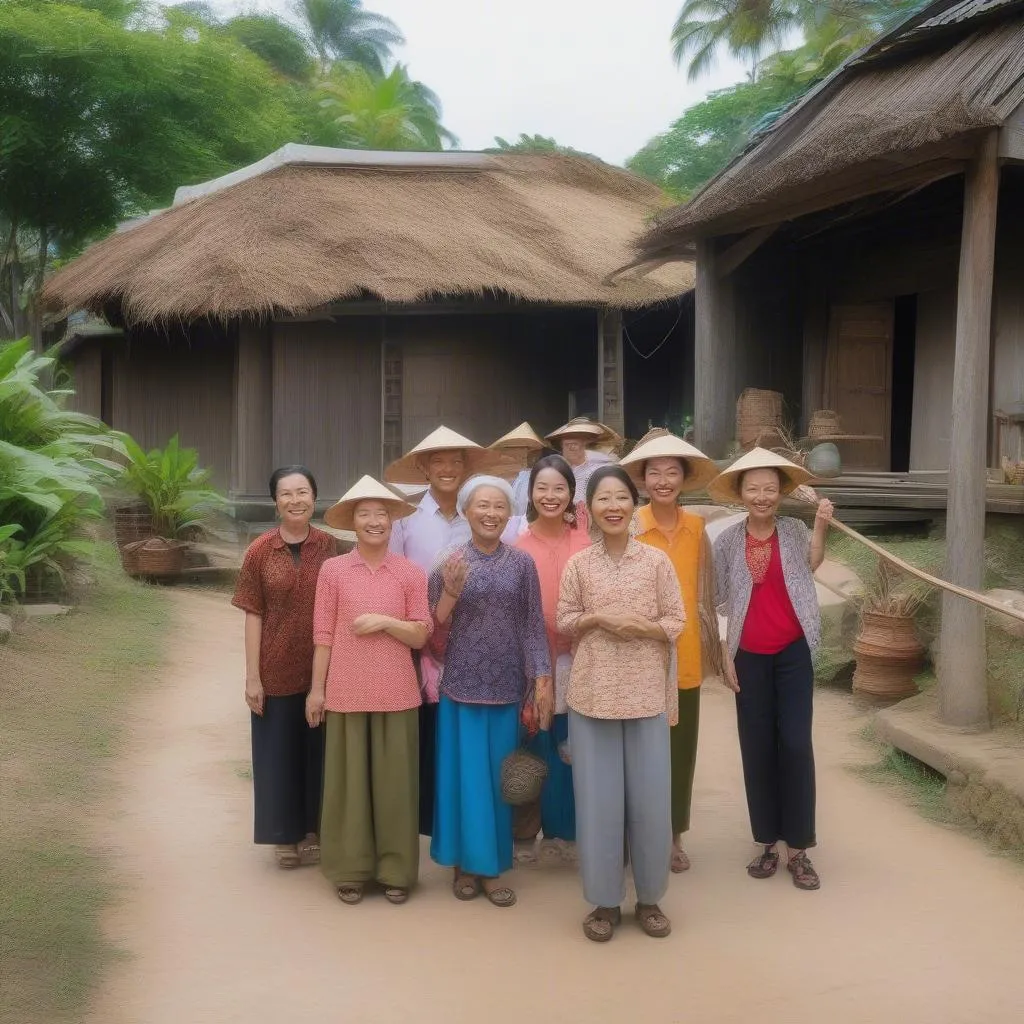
x=485, y=597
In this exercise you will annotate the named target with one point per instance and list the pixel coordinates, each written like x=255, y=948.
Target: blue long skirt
x=472, y=824
x=557, y=802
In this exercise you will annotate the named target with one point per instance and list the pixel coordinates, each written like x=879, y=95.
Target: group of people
x=528, y=601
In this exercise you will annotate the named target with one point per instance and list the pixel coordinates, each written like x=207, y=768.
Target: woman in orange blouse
x=371, y=613
x=620, y=600
x=664, y=466
x=552, y=538
x=275, y=589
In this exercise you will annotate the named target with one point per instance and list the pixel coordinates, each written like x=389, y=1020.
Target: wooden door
x=860, y=382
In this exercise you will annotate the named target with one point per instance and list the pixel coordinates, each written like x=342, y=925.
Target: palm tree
x=340, y=30
x=392, y=111
x=746, y=28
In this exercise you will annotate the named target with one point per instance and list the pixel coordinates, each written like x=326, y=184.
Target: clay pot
x=824, y=461
x=888, y=654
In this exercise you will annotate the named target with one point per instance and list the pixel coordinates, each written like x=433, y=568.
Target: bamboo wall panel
x=87, y=374
x=327, y=399
x=165, y=385
x=934, y=346
x=1008, y=313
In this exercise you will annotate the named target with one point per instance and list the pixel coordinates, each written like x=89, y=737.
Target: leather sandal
x=653, y=921
x=680, y=862
x=765, y=864
x=802, y=870
x=466, y=887
x=351, y=893
x=287, y=856
x=500, y=896
x=600, y=924
x=309, y=850
x=395, y=894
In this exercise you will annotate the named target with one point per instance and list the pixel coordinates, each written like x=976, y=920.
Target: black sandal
x=802, y=870
x=765, y=864
x=600, y=924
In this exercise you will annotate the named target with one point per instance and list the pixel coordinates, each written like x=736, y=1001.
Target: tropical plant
x=389, y=112
x=341, y=31
x=170, y=482
x=535, y=144
x=275, y=42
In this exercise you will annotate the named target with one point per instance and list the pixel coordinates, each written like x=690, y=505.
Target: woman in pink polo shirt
x=371, y=612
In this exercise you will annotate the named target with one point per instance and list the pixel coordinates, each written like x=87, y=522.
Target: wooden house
x=866, y=255
x=332, y=307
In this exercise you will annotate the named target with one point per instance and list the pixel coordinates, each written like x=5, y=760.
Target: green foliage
x=535, y=144
x=52, y=465
x=275, y=42
x=172, y=485
x=340, y=31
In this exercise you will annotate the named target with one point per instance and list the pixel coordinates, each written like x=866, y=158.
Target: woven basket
x=132, y=523
x=522, y=777
x=758, y=416
x=824, y=423
x=156, y=556
x=889, y=655
x=1013, y=472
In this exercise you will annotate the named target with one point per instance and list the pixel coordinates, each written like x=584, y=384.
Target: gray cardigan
x=733, y=584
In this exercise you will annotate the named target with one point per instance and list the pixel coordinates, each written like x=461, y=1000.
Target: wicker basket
x=522, y=777
x=156, y=556
x=889, y=655
x=131, y=523
x=824, y=423
x=1013, y=472
x=758, y=416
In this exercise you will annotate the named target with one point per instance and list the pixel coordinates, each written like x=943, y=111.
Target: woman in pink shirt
x=554, y=535
x=371, y=612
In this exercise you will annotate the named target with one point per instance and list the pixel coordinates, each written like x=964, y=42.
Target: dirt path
x=914, y=923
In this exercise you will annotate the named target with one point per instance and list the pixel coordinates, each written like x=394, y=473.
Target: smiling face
x=487, y=512
x=372, y=523
x=574, y=450
x=761, y=492
x=612, y=506
x=550, y=495
x=446, y=470
x=294, y=500
x=663, y=479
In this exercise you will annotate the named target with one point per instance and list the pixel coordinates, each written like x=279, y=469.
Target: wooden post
x=254, y=428
x=715, y=390
x=963, y=698
x=609, y=370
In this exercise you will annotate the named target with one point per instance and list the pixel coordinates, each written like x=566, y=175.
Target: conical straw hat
x=410, y=468
x=659, y=444
x=340, y=515
x=725, y=487
x=594, y=431
x=524, y=436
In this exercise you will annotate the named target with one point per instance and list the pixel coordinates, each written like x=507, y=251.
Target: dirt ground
x=914, y=922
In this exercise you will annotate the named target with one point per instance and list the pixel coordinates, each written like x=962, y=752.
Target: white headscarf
x=474, y=483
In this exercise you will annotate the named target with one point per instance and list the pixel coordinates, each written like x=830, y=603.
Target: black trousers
x=774, y=711
x=287, y=771
x=428, y=767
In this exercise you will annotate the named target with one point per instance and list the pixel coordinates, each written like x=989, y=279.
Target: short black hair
x=618, y=473
x=556, y=462
x=279, y=474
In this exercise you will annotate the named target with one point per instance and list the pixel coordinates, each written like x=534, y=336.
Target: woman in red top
x=764, y=570
x=276, y=589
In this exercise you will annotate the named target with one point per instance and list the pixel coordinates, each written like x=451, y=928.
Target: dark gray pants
x=621, y=773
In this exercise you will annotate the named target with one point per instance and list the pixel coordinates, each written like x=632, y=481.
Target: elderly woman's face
x=663, y=479
x=550, y=494
x=294, y=499
x=487, y=512
x=612, y=506
x=761, y=492
x=372, y=522
x=446, y=470
x=574, y=450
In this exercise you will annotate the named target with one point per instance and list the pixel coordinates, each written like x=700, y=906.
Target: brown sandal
x=466, y=887
x=500, y=896
x=802, y=870
x=351, y=893
x=680, y=862
x=396, y=894
x=653, y=921
x=287, y=857
x=309, y=850
x=600, y=924
x=765, y=864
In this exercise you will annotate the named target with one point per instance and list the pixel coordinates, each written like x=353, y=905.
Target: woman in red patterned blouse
x=276, y=589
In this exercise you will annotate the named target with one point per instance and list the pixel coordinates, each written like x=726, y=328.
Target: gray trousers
x=621, y=770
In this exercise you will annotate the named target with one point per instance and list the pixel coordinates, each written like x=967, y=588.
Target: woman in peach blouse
x=620, y=600
x=553, y=536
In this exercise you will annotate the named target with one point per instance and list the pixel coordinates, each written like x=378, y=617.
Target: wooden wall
x=934, y=347
x=326, y=399
x=1008, y=309
x=166, y=383
x=86, y=365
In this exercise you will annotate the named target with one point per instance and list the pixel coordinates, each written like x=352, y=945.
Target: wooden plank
x=963, y=698
x=714, y=355
x=254, y=422
x=610, y=397
x=739, y=252
x=1011, y=138
x=815, y=347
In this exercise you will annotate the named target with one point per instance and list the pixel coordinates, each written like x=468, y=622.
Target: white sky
x=594, y=74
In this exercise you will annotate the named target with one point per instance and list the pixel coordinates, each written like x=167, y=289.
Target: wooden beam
x=1011, y=138
x=740, y=251
x=963, y=696
x=254, y=428
x=714, y=355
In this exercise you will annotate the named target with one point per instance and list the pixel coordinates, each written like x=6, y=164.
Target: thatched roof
x=309, y=226
x=903, y=112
